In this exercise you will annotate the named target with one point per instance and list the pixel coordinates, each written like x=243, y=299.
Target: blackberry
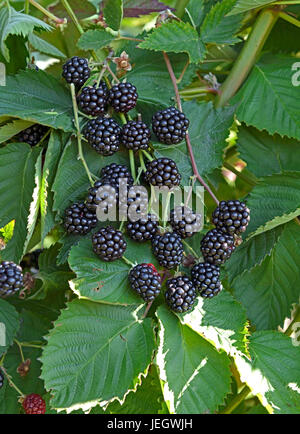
x=109, y=244
x=206, y=278
x=103, y=134
x=180, y=294
x=115, y=172
x=162, y=171
x=79, y=219
x=231, y=217
x=143, y=229
x=137, y=200
x=135, y=135
x=170, y=125
x=145, y=280
x=217, y=247
x=34, y=404
x=93, y=100
x=184, y=221
x=168, y=249
x=32, y=135
x=109, y=194
x=1, y=379
x=77, y=71
x=123, y=97
x=11, y=278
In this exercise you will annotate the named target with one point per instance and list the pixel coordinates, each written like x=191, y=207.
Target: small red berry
x=34, y=404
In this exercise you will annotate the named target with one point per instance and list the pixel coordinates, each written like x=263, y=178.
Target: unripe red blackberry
x=93, y=100
x=185, y=222
x=103, y=134
x=145, y=281
x=135, y=135
x=170, y=125
x=32, y=135
x=217, y=247
x=162, y=171
x=11, y=278
x=206, y=279
x=180, y=294
x=168, y=249
x=143, y=229
x=231, y=217
x=109, y=244
x=34, y=404
x=79, y=220
x=76, y=71
x=123, y=97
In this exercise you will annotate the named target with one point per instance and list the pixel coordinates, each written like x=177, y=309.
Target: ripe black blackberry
x=93, y=100
x=115, y=172
x=143, y=229
x=184, y=221
x=170, y=125
x=123, y=97
x=217, y=247
x=180, y=294
x=107, y=194
x=162, y=171
x=145, y=280
x=135, y=135
x=1, y=379
x=77, y=71
x=32, y=135
x=103, y=134
x=79, y=219
x=11, y=278
x=206, y=279
x=168, y=249
x=231, y=217
x=109, y=244
x=137, y=201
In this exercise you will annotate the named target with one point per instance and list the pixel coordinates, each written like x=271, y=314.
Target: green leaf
x=95, y=39
x=196, y=375
x=176, y=37
x=12, y=129
x=113, y=13
x=247, y=5
x=276, y=154
x=38, y=97
x=82, y=9
x=17, y=180
x=218, y=28
x=10, y=319
x=106, y=281
x=273, y=372
x=274, y=201
x=96, y=353
x=269, y=289
x=16, y=23
x=283, y=38
x=270, y=84
x=195, y=12
x=44, y=46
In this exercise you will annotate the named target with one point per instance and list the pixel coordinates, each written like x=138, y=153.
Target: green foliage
x=113, y=13
x=95, y=39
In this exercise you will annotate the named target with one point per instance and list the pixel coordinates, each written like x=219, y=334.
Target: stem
x=112, y=73
x=196, y=90
x=26, y=7
x=149, y=157
x=166, y=210
x=132, y=164
x=127, y=261
x=241, y=175
x=142, y=163
x=180, y=7
x=248, y=56
x=183, y=71
x=148, y=307
x=80, y=152
x=296, y=318
x=187, y=137
x=11, y=383
x=46, y=12
x=72, y=15
x=128, y=38
x=289, y=18
x=190, y=248
x=20, y=348
x=286, y=3
x=235, y=402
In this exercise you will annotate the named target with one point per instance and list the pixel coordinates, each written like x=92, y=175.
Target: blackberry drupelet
x=109, y=244
x=123, y=97
x=11, y=278
x=76, y=71
x=162, y=171
x=93, y=100
x=143, y=229
x=1, y=379
x=206, y=279
x=109, y=194
x=184, y=221
x=135, y=135
x=79, y=219
x=231, y=217
x=180, y=294
x=145, y=281
x=103, y=134
x=217, y=247
x=34, y=404
x=168, y=249
x=32, y=135
x=115, y=172
x=170, y=125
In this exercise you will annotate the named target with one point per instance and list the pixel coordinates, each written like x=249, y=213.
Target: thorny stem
x=187, y=137
x=73, y=16
x=80, y=152
x=11, y=383
x=45, y=12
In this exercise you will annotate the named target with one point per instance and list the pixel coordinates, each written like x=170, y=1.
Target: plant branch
x=289, y=18
x=73, y=16
x=148, y=307
x=11, y=383
x=46, y=12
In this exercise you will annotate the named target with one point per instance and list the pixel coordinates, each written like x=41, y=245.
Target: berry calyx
x=231, y=217
x=34, y=404
x=123, y=97
x=170, y=125
x=180, y=294
x=206, y=279
x=217, y=247
x=109, y=244
x=145, y=281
